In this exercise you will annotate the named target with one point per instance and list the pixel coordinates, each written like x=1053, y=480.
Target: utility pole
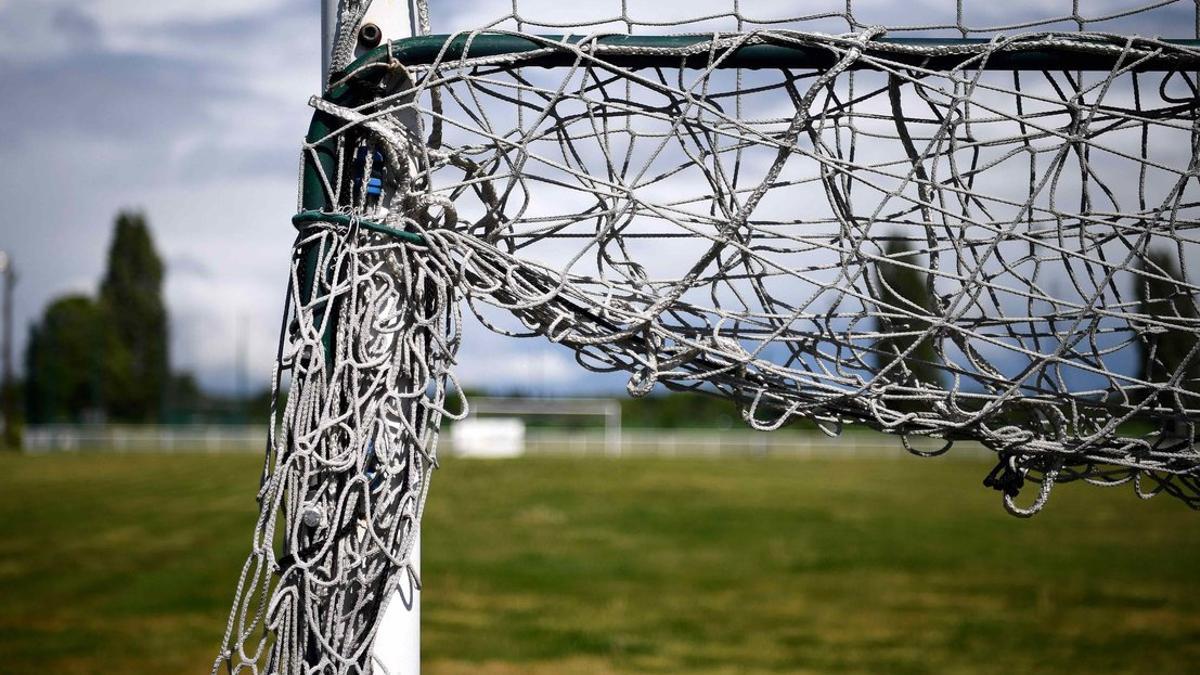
x=241, y=397
x=8, y=388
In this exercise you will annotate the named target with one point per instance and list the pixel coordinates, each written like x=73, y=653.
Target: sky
x=193, y=112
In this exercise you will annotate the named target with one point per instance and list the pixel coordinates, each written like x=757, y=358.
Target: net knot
x=1006, y=477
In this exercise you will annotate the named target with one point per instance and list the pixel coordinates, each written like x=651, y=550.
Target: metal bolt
x=369, y=36
x=313, y=516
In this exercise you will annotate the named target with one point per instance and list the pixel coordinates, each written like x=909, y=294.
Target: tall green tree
x=131, y=295
x=1165, y=352
x=71, y=355
x=904, y=289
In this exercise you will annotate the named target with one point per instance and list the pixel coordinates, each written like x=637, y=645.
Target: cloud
x=32, y=31
x=125, y=13
x=540, y=367
x=193, y=111
x=77, y=27
x=188, y=265
x=126, y=97
x=533, y=366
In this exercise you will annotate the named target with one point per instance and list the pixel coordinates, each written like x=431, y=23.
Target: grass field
x=125, y=564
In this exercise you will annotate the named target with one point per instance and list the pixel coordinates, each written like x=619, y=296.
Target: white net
x=960, y=241
x=940, y=18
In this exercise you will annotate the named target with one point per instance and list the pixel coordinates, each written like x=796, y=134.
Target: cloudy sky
x=193, y=112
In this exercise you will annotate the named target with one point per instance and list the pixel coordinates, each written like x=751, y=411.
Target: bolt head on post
x=397, y=650
x=369, y=36
x=384, y=20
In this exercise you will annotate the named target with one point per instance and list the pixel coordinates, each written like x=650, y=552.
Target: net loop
x=946, y=447
x=1046, y=484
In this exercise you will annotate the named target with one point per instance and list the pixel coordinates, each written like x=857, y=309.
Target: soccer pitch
x=126, y=564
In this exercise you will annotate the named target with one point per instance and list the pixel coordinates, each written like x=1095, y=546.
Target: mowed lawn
x=126, y=564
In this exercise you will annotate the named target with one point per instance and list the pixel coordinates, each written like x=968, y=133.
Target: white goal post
x=606, y=408
x=397, y=646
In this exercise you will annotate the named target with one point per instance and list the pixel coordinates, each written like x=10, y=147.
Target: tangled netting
x=902, y=236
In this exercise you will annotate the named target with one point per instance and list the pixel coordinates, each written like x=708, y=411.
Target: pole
x=329, y=22
x=8, y=393
x=240, y=395
x=397, y=648
x=612, y=428
x=8, y=398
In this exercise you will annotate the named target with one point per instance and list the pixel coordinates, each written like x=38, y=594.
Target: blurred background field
x=125, y=563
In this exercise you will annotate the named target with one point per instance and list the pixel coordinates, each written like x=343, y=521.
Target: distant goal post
x=607, y=410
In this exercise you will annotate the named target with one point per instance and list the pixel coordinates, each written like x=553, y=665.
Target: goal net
x=977, y=226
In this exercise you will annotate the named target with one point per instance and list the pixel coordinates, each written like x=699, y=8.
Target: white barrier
x=491, y=437
x=733, y=442
x=148, y=439
x=546, y=442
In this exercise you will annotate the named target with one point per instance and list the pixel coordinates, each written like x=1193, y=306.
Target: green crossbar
x=668, y=51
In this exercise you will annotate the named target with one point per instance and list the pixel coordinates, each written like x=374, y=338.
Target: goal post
x=396, y=648
x=988, y=237
x=609, y=410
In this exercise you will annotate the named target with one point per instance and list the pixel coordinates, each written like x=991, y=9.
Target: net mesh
x=943, y=18
x=1003, y=257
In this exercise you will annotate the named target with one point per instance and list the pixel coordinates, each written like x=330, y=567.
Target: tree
x=901, y=290
x=71, y=354
x=131, y=295
x=1164, y=351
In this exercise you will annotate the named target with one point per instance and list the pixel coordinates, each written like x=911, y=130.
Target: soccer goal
x=956, y=220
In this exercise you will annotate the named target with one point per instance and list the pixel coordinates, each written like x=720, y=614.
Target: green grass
x=126, y=564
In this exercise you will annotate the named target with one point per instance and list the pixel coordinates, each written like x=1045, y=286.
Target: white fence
x=157, y=439
x=732, y=442
x=598, y=442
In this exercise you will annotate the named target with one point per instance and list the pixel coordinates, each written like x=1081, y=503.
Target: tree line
x=1161, y=293
x=106, y=358
x=901, y=354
